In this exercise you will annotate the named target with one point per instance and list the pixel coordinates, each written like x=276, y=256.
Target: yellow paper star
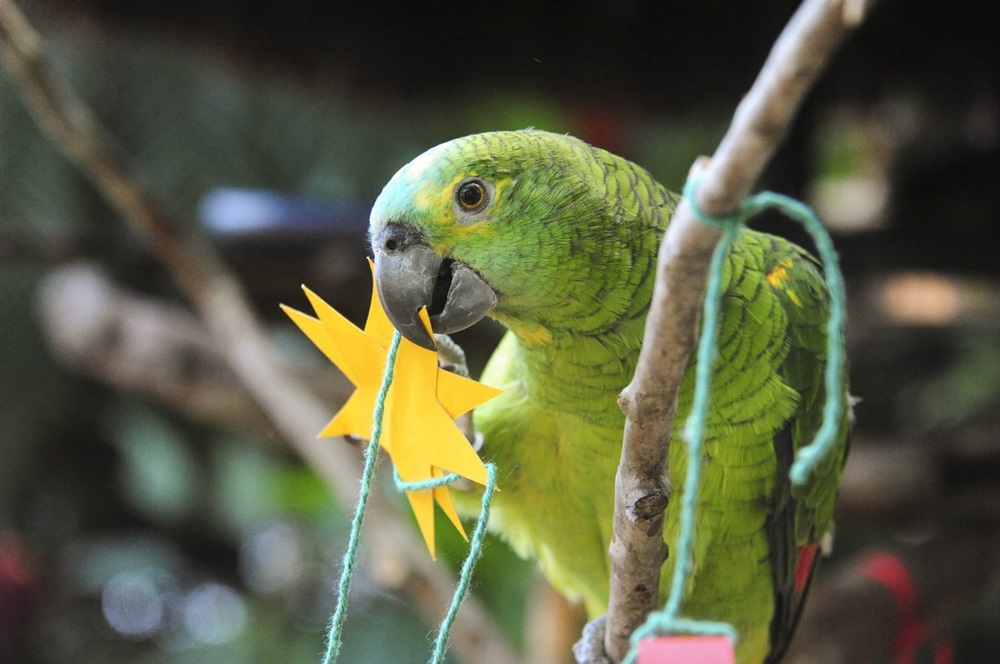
x=418, y=430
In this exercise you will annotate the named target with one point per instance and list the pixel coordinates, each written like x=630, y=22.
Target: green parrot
x=557, y=240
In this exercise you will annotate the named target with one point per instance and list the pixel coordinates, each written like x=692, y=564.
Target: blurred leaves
x=159, y=475
x=32, y=386
x=967, y=391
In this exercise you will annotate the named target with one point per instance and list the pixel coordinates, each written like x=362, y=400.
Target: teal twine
x=336, y=629
x=422, y=485
x=668, y=621
x=475, y=548
x=334, y=638
x=812, y=454
x=694, y=429
x=465, y=578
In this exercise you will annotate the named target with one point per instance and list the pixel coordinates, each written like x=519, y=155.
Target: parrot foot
x=451, y=357
x=590, y=648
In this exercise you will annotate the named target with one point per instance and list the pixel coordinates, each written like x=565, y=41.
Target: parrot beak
x=409, y=275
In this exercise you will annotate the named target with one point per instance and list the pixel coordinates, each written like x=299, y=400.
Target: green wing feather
x=800, y=516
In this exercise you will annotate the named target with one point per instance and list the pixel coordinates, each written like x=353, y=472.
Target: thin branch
x=161, y=350
x=221, y=303
x=642, y=486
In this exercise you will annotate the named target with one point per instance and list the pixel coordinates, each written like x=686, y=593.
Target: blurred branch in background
x=156, y=349
x=219, y=299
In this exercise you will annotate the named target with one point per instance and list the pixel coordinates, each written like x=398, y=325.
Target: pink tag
x=687, y=650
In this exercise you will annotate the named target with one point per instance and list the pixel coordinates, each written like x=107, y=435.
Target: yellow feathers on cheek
x=436, y=205
x=435, y=201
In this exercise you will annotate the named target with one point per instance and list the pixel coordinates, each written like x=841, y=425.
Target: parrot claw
x=451, y=357
x=590, y=648
x=477, y=441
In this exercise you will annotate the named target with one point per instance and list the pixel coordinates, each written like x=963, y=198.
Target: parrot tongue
x=442, y=286
x=414, y=276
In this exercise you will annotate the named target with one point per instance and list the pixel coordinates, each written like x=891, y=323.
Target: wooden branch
x=136, y=343
x=642, y=487
x=223, y=307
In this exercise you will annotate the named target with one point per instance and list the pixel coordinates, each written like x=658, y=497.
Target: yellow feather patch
x=535, y=335
x=777, y=278
x=430, y=198
x=437, y=203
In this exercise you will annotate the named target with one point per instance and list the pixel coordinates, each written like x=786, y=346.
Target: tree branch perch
x=759, y=125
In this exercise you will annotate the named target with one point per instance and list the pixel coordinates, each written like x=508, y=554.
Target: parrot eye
x=472, y=195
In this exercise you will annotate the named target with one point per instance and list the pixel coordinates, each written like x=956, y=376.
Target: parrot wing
x=800, y=516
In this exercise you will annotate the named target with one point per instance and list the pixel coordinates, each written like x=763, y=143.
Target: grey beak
x=410, y=275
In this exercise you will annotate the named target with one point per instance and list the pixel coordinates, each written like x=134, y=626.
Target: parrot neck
x=577, y=373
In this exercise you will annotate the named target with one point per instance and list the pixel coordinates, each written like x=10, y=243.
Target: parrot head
x=502, y=223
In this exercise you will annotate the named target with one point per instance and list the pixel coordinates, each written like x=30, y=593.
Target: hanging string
x=475, y=549
x=811, y=455
x=336, y=628
x=335, y=634
x=668, y=621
